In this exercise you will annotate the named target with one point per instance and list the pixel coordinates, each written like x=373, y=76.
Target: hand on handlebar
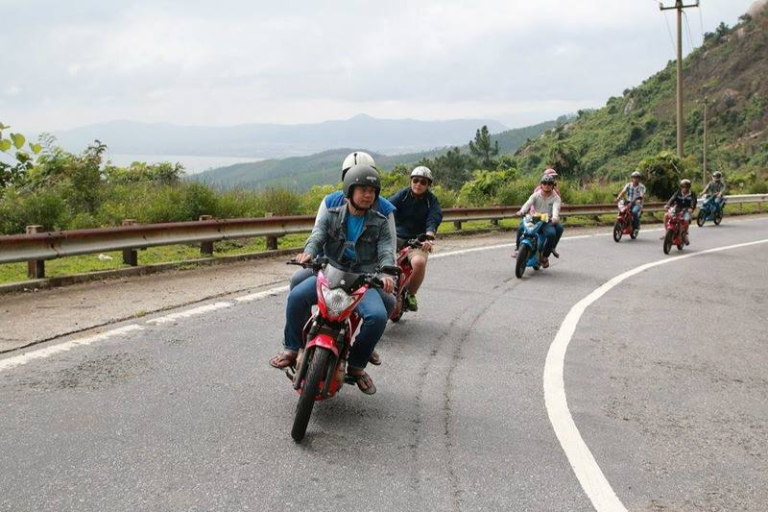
x=303, y=258
x=388, y=284
x=427, y=245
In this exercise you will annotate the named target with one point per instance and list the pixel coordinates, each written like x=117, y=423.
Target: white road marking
x=582, y=461
x=190, y=312
x=22, y=359
x=260, y=295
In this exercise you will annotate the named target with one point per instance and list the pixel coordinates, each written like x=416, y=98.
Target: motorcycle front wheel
x=701, y=218
x=668, y=238
x=618, y=230
x=522, y=259
x=318, y=368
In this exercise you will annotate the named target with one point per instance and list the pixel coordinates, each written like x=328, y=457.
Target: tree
x=662, y=173
x=565, y=160
x=483, y=149
x=452, y=169
x=15, y=173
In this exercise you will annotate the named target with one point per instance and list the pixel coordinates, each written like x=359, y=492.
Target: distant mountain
x=388, y=136
x=301, y=173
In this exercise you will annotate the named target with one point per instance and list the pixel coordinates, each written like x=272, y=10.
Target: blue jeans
x=371, y=309
x=636, y=215
x=551, y=233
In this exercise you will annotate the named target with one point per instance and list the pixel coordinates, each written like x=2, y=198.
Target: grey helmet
x=717, y=174
x=684, y=182
x=363, y=176
x=423, y=172
x=547, y=178
x=636, y=174
x=356, y=158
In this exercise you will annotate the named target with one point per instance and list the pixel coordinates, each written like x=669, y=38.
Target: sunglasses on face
x=546, y=184
x=420, y=181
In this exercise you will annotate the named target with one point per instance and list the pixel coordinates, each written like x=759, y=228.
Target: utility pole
x=680, y=120
x=705, y=140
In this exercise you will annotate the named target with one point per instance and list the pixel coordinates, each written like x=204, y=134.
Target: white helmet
x=356, y=158
x=423, y=172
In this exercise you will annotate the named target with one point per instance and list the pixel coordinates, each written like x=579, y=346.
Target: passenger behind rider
x=520, y=228
x=635, y=194
x=546, y=201
x=417, y=212
x=684, y=200
x=355, y=238
x=716, y=187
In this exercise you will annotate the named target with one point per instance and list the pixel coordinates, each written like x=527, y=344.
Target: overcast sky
x=70, y=63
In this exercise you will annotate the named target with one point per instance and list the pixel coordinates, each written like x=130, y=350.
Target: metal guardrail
x=36, y=247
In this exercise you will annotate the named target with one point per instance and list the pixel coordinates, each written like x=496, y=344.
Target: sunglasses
x=420, y=181
x=547, y=184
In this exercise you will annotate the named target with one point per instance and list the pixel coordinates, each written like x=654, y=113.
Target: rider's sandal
x=364, y=379
x=283, y=360
x=375, y=359
x=545, y=262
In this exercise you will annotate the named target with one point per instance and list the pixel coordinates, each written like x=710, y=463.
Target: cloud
x=236, y=61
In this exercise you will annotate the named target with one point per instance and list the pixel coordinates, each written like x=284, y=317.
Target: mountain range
x=259, y=141
x=300, y=173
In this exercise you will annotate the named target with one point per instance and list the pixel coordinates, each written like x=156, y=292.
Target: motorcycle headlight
x=336, y=300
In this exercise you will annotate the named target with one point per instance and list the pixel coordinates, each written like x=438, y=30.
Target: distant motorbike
x=674, y=226
x=402, y=290
x=531, y=244
x=624, y=223
x=710, y=210
x=320, y=368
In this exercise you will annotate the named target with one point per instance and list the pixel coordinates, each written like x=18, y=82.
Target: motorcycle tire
x=680, y=247
x=634, y=233
x=522, y=259
x=668, y=238
x=318, y=369
x=701, y=218
x=718, y=218
x=618, y=230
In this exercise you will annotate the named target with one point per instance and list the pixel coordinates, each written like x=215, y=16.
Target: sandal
x=363, y=379
x=545, y=262
x=283, y=360
x=375, y=359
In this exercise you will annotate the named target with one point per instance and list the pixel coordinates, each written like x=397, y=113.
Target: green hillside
x=730, y=69
x=301, y=173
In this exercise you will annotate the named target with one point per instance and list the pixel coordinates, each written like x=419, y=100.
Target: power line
x=671, y=37
x=688, y=30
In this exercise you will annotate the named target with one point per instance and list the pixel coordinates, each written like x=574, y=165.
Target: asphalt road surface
x=666, y=378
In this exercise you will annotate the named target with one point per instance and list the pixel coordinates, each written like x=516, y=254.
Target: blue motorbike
x=710, y=210
x=531, y=244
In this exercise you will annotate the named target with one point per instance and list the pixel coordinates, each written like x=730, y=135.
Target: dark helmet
x=361, y=175
x=547, y=179
x=717, y=174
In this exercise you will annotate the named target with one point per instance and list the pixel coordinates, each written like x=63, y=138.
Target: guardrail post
x=741, y=207
x=271, y=240
x=206, y=248
x=495, y=222
x=35, y=268
x=130, y=256
x=457, y=225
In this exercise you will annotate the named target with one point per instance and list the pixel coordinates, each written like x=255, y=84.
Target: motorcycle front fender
x=325, y=341
x=529, y=242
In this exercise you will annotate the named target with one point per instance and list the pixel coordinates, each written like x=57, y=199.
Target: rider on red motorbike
x=418, y=211
x=685, y=200
x=635, y=193
x=355, y=238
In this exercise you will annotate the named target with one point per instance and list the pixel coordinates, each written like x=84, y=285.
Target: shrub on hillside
x=662, y=173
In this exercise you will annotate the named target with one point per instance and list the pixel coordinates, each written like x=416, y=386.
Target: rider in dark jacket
x=684, y=199
x=417, y=212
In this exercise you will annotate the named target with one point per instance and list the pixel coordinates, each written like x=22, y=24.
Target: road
x=666, y=378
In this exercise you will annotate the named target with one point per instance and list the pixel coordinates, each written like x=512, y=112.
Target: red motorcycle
x=401, y=291
x=320, y=369
x=675, y=229
x=624, y=223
